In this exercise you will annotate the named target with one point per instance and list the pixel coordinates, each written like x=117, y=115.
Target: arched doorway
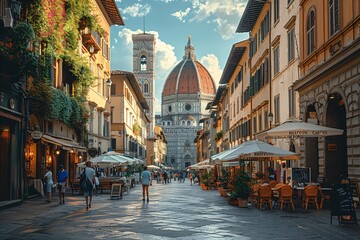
x=311, y=145
x=336, y=162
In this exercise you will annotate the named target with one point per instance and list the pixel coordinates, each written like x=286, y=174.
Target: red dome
x=189, y=77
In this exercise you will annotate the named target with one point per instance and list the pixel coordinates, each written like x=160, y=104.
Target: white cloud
x=225, y=15
x=181, y=14
x=136, y=10
x=211, y=62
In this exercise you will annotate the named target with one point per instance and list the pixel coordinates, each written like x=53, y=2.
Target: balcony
x=91, y=40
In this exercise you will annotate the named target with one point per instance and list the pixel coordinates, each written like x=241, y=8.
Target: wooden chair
x=286, y=196
x=323, y=197
x=272, y=184
x=265, y=195
x=310, y=195
x=255, y=193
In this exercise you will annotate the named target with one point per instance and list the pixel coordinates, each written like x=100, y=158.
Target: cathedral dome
x=189, y=76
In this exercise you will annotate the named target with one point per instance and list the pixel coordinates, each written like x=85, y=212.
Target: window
x=291, y=45
x=143, y=63
x=146, y=88
x=238, y=104
x=291, y=102
x=100, y=122
x=277, y=109
x=91, y=120
x=260, y=122
x=187, y=107
x=310, y=32
x=276, y=11
x=276, y=60
x=254, y=125
x=113, y=89
x=334, y=16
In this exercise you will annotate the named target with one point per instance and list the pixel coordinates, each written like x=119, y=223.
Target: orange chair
x=255, y=193
x=286, y=196
x=323, y=197
x=310, y=195
x=265, y=195
x=272, y=184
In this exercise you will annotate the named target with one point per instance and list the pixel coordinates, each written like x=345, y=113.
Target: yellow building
x=129, y=121
x=96, y=46
x=329, y=85
x=157, y=148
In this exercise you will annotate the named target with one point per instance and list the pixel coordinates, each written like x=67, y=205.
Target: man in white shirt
x=90, y=179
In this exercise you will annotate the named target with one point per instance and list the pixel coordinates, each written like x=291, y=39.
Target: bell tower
x=143, y=68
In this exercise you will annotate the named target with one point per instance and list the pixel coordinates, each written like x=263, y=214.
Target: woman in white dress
x=49, y=183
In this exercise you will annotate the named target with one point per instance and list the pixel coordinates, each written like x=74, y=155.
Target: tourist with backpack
x=87, y=183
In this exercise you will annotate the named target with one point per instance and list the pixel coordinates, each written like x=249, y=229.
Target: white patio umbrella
x=295, y=129
x=153, y=167
x=104, y=160
x=200, y=167
x=256, y=149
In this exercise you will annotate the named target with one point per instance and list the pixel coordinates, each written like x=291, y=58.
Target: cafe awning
x=65, y=144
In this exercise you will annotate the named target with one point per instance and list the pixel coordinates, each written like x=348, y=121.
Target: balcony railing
x=91, y=40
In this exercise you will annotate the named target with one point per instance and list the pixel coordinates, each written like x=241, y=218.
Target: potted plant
x=242, y=188
x=232, y=198
x=204, y=177
x=224, y=181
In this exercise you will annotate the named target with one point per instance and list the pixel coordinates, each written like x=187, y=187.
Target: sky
x=211, y=24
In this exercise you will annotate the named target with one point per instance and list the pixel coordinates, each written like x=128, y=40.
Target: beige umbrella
x=295, y=129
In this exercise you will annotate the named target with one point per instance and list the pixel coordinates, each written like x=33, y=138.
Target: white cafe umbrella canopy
x=256, y=149
x=153, y=167
x=295, y=129
x=108, y=159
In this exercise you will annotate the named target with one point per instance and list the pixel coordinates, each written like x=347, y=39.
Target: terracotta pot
x=204, y=187
x=242, y=202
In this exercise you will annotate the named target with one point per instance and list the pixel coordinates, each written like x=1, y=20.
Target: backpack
x=84, y=181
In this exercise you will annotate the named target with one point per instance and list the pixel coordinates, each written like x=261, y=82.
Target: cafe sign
x=36, y=135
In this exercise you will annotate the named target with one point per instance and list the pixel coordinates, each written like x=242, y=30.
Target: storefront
x=12, y=125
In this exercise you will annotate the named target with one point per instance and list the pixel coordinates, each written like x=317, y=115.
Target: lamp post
x=270, y=118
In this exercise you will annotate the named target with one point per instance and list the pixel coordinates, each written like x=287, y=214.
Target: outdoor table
x=300, y=191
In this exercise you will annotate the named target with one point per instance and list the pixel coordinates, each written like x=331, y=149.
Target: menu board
x=300, y=175
x=116, y=190
x=342, y=204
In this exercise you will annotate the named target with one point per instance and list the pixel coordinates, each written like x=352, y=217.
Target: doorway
x=5, y=133
x=336, y=161
x=311, y=145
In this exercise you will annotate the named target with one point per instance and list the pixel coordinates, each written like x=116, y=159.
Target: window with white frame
x=291, y=45
x=291, y=102
x=276, y=60
x=310, y=32
x=277, y=109
x=334, y=16
x=276, y=11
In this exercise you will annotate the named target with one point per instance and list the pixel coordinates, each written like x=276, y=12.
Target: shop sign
x=93, y=152
x=36, y=135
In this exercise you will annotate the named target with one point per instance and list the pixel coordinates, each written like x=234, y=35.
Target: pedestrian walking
x=145, y=182
x=48, y=183
x=190, y=178
x=165, y=175
x=62, y=176
x=88, y=175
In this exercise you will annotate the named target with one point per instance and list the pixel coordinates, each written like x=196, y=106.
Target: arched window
x=146, y=88
x=143, y=63
x=334, y=16
x=188, y=122
x=310, y=32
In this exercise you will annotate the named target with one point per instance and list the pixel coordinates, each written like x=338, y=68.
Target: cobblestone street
x=175, y=211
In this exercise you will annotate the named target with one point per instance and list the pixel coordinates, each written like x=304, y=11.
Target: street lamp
x=15, y=9
x=108, y=82
x=270, y=117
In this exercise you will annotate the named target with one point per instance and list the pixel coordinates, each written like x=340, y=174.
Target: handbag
x=97, y=183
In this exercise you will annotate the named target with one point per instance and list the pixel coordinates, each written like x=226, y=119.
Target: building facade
x=48, y=99
x=129, y=120
x=157, y=148
x=187, y=90
x=329, y=85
